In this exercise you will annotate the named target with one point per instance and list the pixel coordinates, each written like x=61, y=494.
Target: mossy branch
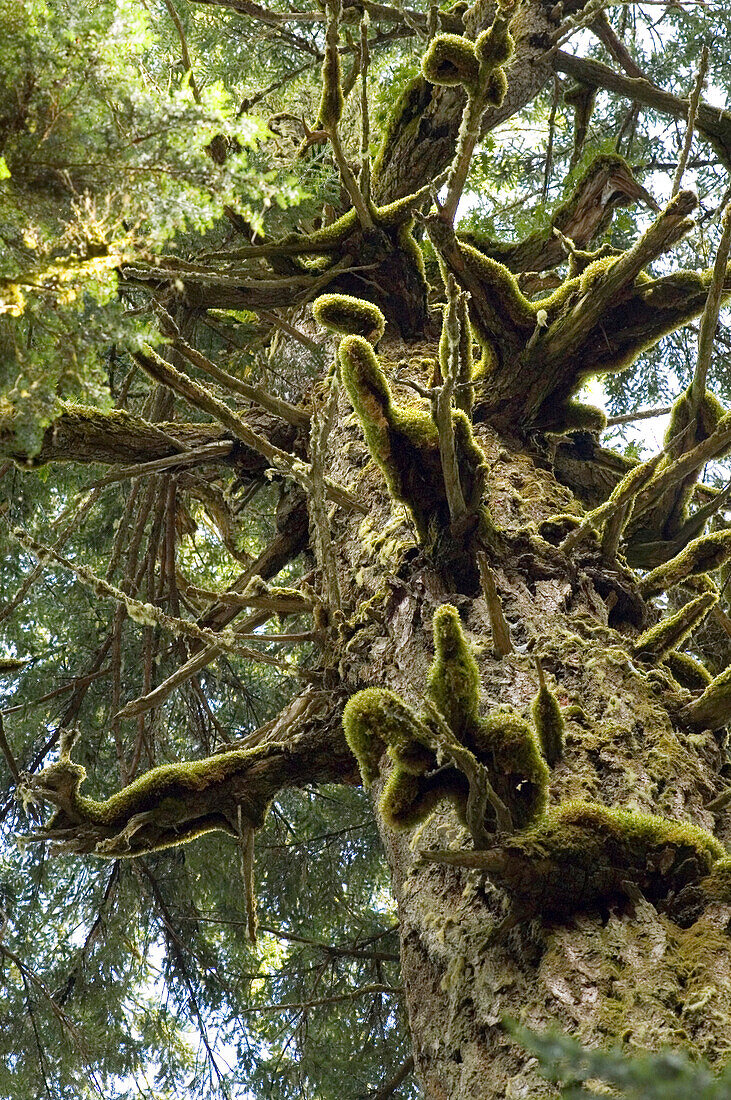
x=709, y=319
x=198, y=396
x=702, y=555
x=657, y=642
x=565, y=334
x=621, y=497
x=581, y=855
x=713, y=709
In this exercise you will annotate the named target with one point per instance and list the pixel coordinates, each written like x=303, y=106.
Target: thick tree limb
x=714, y=123
x=86, y=435
x=175, y=803
x=421, y=139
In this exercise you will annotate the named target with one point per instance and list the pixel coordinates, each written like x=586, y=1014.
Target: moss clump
x=514, y=315
x=409, y=799
x=454, y=678
x=349, y=316
x=405, y=443
x=688, y=672
x=332, y=100
x=495, y=46
x=450, y=60
x=508, y=747
x=717, y=886
x=589, y=853
x=659, y=640
x=581, y=856
x=702, y=555
x=496, y=87
x=706, y=417
x=376, y=720
x=571, y=416
x=550, y=725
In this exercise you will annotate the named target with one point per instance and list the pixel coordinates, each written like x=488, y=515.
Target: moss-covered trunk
x=620, y=972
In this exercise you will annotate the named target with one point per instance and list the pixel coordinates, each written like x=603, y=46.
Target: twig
x=211, y=452
x=196, y=395
x=641, y=414
x=695, y=96
x=501, y=641
x=709, y=320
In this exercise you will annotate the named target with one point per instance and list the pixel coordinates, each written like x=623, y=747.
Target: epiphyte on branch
x=581, y=855
x=377, y=719
x=166, y=806
x=454, y=678
x=713, y=709
x=349, y=316
x=404, y=441
x=549, y=721
x=657, y=642
x=702, y=555
x=502, y=748
x=689, y=672
x=450, y=60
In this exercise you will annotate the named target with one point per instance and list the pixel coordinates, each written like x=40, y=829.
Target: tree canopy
x=532, y=201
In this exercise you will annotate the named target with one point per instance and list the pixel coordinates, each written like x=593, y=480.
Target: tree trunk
x=625, y=974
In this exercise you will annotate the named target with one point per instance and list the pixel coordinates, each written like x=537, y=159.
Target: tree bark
x=628, y=971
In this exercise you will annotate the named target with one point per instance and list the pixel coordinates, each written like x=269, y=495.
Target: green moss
x=571, y=416
x=350, y=316
x=581, y=854
x=501, y=286
x=706, y=417
x=404, y=441
x=700, y=556
x=332, y=101
x=507, y=745
x=376, y=720
x=165, y=791
x=713, y=708
x=496, y=87
x=550, y=725
x=450, y=60
x=454, y=678
x=409, y=799
x=403, y=120
x=659, y=640
x=495, y=46
x=689, y=672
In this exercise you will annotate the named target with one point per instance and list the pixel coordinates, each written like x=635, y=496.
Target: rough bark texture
x=627, y=971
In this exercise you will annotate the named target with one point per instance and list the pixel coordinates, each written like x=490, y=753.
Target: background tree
x=296, y=306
